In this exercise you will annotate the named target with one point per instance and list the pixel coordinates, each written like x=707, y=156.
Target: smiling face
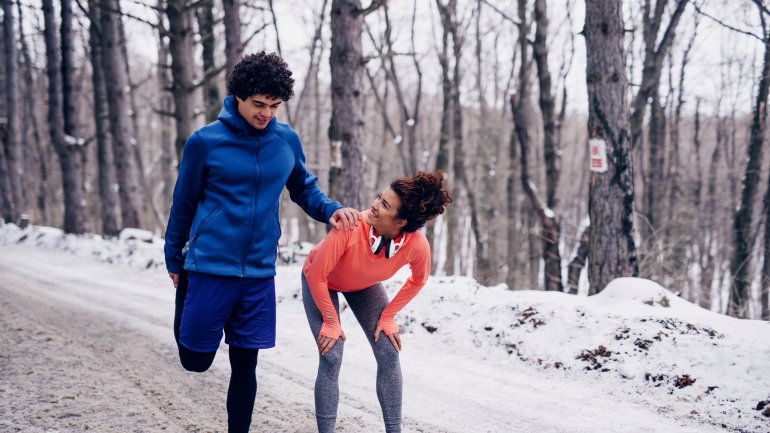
x=383, y=215
x=257, y=110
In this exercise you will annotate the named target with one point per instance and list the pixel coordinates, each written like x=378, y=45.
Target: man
x=223, y=230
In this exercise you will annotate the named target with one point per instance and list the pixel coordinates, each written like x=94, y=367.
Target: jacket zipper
x=257, y=175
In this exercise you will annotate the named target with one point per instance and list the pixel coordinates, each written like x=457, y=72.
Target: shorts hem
x=252, y=346
x=194, y=349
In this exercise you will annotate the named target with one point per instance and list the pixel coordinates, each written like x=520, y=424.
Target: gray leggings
x=367, y=305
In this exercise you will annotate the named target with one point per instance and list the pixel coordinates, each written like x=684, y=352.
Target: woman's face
x=384, y=213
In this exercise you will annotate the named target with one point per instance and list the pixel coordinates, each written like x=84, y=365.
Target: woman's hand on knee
x=325, y=344
x=395, y=339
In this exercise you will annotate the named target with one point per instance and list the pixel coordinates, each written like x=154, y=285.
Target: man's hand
x=395, y=339
x=325, y=344
x=346, y=216
x=174, y=279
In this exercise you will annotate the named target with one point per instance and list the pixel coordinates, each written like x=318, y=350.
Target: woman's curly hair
x=423, y=197
x=261, y=74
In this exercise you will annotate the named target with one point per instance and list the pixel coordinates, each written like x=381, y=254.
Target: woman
x=354, y=263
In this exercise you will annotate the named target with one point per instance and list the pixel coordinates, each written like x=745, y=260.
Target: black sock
x=243, y=389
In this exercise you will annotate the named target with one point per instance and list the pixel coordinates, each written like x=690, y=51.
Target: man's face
x=258, y=109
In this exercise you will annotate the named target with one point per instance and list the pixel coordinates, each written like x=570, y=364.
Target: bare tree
x=182, y=68
x=316, y=46
x=521, y=110
x=678, y=215
x=612, y=251
x=462, y=182
x=409, y=117
x=205, y=15
x=346, y=126
x=443, y=153
x=68, y=71
x=121, y=127
x=106, y=163
x=578, y=261
x=13, y=133
x=707, y=232
x=550, y=225
x=740, y=265
x=654, y=54
x=69, y=151
x=233, y=43
x=165, y=108
x=32, y=133
x=764, y=297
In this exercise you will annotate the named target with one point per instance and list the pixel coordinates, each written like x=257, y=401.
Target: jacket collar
x=233, y=119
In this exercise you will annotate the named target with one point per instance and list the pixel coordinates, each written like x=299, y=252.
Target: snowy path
x=88, y=345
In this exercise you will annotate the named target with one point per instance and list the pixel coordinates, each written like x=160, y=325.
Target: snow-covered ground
x=635, y=358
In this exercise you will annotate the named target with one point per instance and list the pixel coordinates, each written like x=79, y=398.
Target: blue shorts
x=243, y=307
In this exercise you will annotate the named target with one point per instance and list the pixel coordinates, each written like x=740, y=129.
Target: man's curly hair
x=261, y=74
x=423, y=197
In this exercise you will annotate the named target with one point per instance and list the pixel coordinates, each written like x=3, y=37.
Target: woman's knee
x=387, y=356
x=195, y=361
x=333, y=358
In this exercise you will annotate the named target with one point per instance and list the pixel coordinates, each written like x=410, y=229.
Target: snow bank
x=635, y=334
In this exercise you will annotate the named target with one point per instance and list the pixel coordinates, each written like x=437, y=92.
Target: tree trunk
x=521, y=111
x=709, y=232
x=443, y=155
x=740, y=266
x=612, y=251
x=578, y=262
x=6, y=201
x=513, y=212
x=205, y=15
x=68, y=71
x=679, y=215
x=169, y=157
x=32, y=131
x=481, y=260
x=233, y=44
x=182, y=47
x=70, y=154
x=106, y=163
x=347, y=124
x=764, y=298
x=15, y=156
x=7, y=207
x=654, y=190
x=121, y=126
x=549, y=219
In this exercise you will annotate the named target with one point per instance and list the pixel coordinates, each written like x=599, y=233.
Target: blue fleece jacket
x=224, y=218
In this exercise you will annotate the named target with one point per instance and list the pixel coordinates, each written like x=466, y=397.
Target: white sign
x=598, y=155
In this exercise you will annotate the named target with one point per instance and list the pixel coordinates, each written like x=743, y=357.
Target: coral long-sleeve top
x=344, y=262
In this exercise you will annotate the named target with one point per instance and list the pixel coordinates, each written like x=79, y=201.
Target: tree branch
x=256, y=32
x=501, y=13
x=209, y=75
x=725, y=25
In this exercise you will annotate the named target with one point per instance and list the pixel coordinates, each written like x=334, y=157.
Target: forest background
x=504, y=96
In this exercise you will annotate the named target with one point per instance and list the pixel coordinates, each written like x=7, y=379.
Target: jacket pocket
x=200, y=229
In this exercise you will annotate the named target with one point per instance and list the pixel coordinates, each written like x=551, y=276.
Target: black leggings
x=243, y=363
